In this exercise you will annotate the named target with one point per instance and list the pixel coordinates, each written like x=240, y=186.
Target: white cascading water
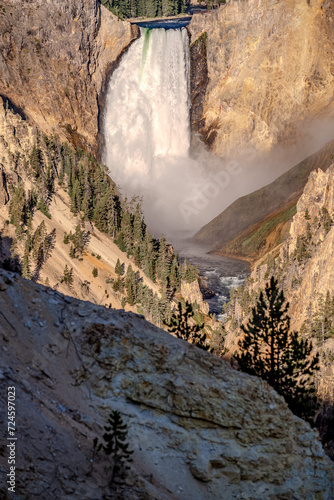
x=146, y=125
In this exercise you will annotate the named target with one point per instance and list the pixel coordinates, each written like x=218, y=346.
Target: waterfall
x=147, y=134
x=147, y=114
x=146, y=123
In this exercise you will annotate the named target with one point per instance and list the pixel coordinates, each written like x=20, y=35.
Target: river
x=221, y=274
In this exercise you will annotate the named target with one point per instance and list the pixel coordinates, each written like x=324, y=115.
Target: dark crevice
x=8, y=104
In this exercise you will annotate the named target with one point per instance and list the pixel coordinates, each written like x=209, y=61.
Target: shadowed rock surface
x=197, y=427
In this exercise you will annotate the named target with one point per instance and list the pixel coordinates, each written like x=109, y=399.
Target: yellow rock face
x=55, y=58
x=270, y=68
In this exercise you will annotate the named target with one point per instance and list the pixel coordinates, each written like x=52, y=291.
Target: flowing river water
x=220, y=274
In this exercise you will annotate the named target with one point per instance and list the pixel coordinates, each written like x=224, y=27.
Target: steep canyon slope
x=197, y=427
x=257, y=222
x=17, y=139
x=270, y=70
x=55, y=60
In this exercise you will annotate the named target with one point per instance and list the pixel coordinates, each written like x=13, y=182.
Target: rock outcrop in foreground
x=198, y=428
x=55, y=61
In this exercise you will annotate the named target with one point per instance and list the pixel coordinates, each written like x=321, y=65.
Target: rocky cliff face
x=305, y=261
x=191, y=292
x=197, y=427
x=270, y=68
x=303, y=265
x=55, y=59
x=198, y=84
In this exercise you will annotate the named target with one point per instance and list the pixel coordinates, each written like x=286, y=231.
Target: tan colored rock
x=56, y=57
x=197, y=427
x=304, y=267
x=307, y=278
x=17, y=138
x=270, y=68
x=191, y=292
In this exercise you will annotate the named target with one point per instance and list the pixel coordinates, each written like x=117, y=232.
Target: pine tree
x=72, y=252
x=149, y=257
x=127, y=231
x=119, y=268
x=120, y=242
x=163, y=260
x=180, y=325
x=18, y=208
x=115, y=445
x=39, y=250
x=190, y=272
x=67, y=276
x=174, y=277
x=270, y=351
x=79, y=240
x=36, y=162
x=138, y=225
x=26, y=273
x=130, y=285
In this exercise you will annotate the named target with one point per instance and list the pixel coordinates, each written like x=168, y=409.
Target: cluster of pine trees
x=320, y=322
x=154, y=307
x=145, y=8
x=94, y=197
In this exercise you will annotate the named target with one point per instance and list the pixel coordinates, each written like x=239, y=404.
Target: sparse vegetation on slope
x=51, y=169
x=145, y=8
x=261, y=237
x=303, y=267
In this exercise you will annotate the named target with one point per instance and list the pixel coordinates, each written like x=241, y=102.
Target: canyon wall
x=303, y=265
x=55, y=59
x=197, y=427
x=305, y=261
x=270, y=70
x=255, y=223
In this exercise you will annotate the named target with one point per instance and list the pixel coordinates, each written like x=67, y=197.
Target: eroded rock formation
x=197, y=427
x=270, y=68
x=303, y=265
x=55, y=59
x=308, y=267
x=192, y=293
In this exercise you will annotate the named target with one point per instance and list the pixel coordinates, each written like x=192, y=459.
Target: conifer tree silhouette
x=180, y=325
x=270, y=351
x=115, y=445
